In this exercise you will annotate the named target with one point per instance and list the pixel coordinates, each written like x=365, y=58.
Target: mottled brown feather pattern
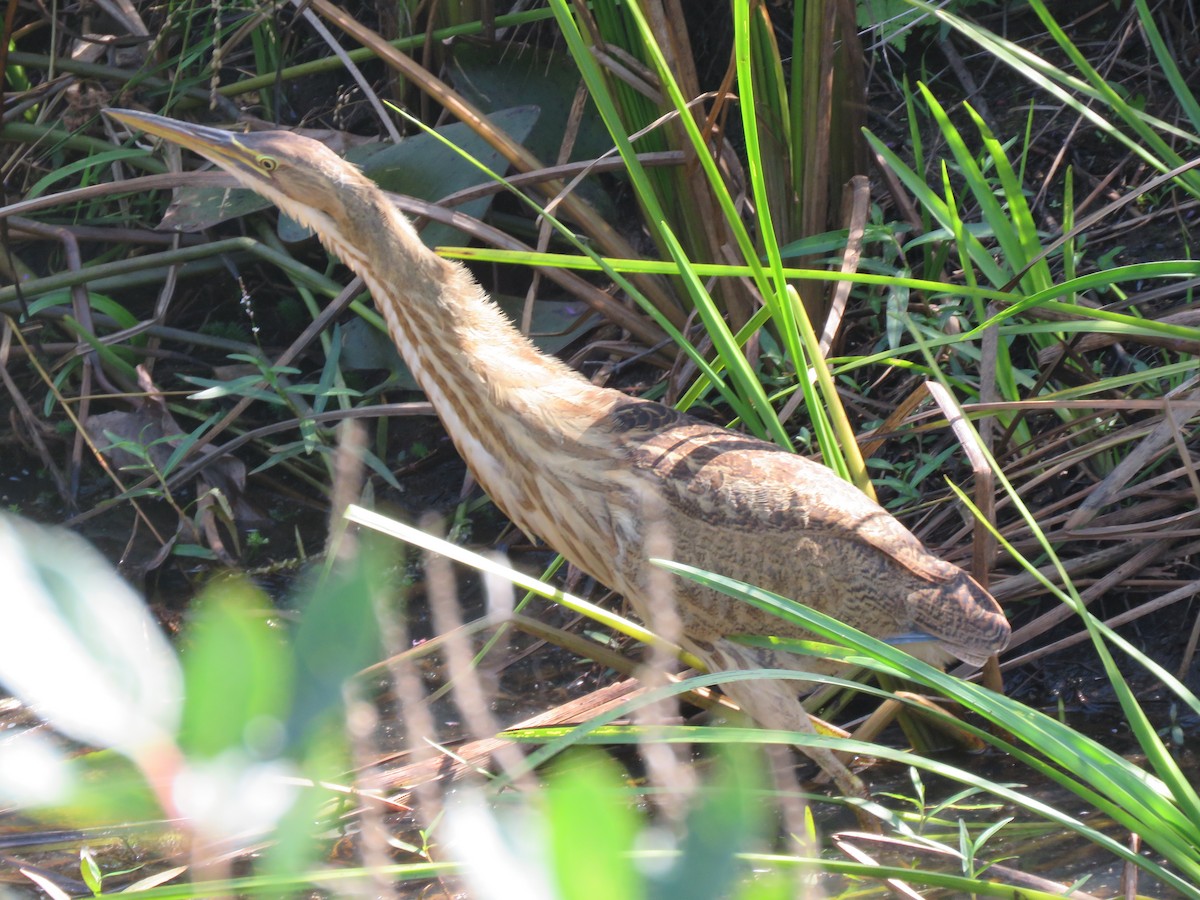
x=740, y=505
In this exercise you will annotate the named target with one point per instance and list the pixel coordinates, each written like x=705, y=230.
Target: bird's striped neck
x=501, y=400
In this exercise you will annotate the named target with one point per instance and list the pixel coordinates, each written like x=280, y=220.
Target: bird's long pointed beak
x=212, y=143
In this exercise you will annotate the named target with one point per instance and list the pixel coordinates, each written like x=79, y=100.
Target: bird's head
x=304, y=178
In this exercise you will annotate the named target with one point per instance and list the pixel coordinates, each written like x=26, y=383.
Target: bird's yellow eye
x=268, y=163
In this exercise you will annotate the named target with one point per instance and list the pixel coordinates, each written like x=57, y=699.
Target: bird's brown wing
x=713, y=474
x=758, y=513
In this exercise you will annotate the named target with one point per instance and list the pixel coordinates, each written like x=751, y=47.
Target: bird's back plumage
x=747, y=509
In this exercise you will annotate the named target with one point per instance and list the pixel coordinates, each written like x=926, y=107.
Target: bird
x=597, y=473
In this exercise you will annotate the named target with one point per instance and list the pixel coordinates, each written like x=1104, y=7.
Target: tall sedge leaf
x=772, y=112
x=685, y=193
x=1024, y=228
x=838, y=446
x=758, y=410
x=610, y=265
x=929, y=200
x=705, y=157
x=1166, y=61
x=844, y=457
x=1101, y=279
x=719, y=189
x=1101, y=87
x=1015, y=230
x=594, y=79
x=827, y=103
x=1147, y=142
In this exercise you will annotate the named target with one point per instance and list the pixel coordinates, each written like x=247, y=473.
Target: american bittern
x=587, y=468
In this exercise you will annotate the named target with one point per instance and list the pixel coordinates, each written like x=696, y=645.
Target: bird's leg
x=774, y=705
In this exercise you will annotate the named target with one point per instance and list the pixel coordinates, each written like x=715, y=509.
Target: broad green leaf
x=89, y=870
x=495, y=78
x=238, y=673
x=338, y=634
x=591, y=827
x=727, y=821
x=100, y=788
x=77, y=644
